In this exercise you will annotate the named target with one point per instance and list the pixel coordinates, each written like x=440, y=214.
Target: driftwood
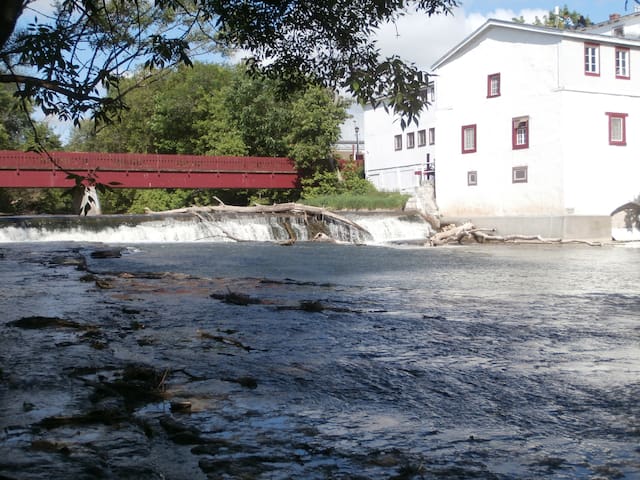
x=467, y=231
x=282, y=208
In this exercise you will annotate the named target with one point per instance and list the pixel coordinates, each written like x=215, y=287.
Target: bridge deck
x=130, y=170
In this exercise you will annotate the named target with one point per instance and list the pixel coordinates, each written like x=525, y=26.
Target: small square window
x=397, y=142
x=469, y=139
x=617, y=128
x=432, y=136
x=411, y=140
x=622, y=63
x=472, y=178
x=422, y=138
x=493, y=85
x=591, y=59
x=520, y=133
x=520, y=174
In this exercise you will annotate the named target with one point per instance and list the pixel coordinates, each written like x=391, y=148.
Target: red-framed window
x=623, y=66
x=617, y=128
x=493, y=85
x=520, y=133
x=592, y=59
x=469, y=139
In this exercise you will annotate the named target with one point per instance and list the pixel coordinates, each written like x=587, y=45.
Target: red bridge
x=133, y=170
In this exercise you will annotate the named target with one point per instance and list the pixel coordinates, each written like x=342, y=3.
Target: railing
x=133, y=162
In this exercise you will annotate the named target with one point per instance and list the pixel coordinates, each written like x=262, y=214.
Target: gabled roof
x=523, y=27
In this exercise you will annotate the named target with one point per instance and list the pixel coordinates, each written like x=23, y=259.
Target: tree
x=87, y=46
x=563, y=19
x=217, y=110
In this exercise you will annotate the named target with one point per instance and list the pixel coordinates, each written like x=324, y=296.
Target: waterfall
x=211, y=227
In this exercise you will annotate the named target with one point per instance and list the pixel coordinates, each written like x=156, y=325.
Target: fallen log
x=281, y=208
x=468, y=231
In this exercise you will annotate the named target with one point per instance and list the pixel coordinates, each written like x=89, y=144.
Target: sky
x=423, y=40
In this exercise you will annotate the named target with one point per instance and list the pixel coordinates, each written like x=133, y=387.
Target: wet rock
x=108, y=253
x=311, y=306
x=243, y=467
x=50, y=446
x=235, y=298
x=246, y=381
x=105, y=283
x=77, y=261
x=180, y=433
x=37, y=322
x=107, y=416
x=225, y=340
x=180, y=406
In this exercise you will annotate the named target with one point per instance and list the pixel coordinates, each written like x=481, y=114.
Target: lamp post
x=357, y=129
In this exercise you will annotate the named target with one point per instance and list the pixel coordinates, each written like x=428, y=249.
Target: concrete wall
x=568, y=227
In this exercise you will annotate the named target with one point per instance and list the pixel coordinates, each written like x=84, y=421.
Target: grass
x=371, y=201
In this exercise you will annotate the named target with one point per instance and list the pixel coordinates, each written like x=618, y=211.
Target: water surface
x=506, y=362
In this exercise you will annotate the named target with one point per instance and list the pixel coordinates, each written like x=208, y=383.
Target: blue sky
x=596, y=10
x=422, y=40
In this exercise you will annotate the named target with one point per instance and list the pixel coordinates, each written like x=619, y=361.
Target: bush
x=348, y=201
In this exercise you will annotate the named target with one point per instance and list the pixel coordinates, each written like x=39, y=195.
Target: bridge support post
x=86, y=201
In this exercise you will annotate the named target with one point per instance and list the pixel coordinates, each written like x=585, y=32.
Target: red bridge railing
x=31, y=169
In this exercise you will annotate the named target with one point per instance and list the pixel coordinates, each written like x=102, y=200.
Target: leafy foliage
x=87, y=47
x=217, y=110
x=333, y=182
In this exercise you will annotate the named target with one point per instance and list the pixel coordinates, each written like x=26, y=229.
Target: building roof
x=581, y=35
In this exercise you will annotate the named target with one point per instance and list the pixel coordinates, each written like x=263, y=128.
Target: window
x=520, y=133
x=468, y=139
x=411, y=140
x=432, y=136
x=431, y=92
x=519, y=174
x=397, y=142
x=617, y=128
x=493, y=85
x=591, y=59
x=422, y=138
x=472, y=178
x=622, y=63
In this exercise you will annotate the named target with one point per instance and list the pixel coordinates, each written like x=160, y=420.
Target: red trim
x=623, y=117
x=514, y=133
x=475, y=138
x=584, y=55
x=489, y=78
x=615, y=59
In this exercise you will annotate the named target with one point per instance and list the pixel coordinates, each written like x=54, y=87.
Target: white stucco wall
x=390, y=169
x=572, y=168
x=528, y=88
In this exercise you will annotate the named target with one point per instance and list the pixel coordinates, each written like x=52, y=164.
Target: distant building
x=531, y=129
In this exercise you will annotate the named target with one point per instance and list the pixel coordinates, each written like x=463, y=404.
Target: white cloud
x=422, y=40
x=41, y=7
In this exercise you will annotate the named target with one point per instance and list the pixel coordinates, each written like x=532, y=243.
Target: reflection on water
x=347, y=362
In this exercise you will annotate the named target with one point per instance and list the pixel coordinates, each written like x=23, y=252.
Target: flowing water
x=318, y=361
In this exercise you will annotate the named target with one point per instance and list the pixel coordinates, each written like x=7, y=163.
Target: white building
x=531, y=129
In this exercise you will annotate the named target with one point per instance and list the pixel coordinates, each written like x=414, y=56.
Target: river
x=318, y=361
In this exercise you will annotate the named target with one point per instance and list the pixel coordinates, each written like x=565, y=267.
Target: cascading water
x=215, y=227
